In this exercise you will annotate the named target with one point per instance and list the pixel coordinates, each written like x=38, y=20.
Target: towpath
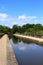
x=7, y=56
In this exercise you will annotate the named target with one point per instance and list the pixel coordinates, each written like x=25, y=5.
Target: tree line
x=25, y=29
x=5, y=29
x=28, y=29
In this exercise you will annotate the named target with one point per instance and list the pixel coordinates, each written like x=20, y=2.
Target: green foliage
x=40, y=32
x=1, y=29
x=25, y=29
x=16, y=29
x=38, y=27
x=28, y=29
x=31, y=30
x=5, y=29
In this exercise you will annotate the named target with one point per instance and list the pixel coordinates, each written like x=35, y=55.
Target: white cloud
x=24, y=17
x=31, y=17
x=6, y=18
x=20, y=20
x=3, y=15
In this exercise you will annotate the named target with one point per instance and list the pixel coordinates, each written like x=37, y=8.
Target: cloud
x=20, y=20
x=3, y=15
x=24, y=17
x=27, y=19
x=32, y=17
x=6, y=17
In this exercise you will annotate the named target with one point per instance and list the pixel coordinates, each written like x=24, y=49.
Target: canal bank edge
x=40, y=40
x=7, y=56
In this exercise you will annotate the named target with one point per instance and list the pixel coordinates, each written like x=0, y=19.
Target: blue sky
x=21, y=12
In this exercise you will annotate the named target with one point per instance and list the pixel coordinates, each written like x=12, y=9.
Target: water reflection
x=15, y=39
x=27, y=52
x=26, y=41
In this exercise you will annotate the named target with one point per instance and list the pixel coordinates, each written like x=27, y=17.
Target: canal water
x=27, y=52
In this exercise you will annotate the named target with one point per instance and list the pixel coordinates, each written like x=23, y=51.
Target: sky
x=21, y=12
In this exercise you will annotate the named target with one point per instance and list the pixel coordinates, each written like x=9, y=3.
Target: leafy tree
x=5, y=29
x=15, y=29
x=1, y=29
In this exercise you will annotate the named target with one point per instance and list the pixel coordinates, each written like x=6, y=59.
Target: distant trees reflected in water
x=17, y=40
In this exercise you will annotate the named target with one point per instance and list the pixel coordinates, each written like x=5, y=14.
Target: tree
x=5, y=29
x=1, y=29
x=15, y=29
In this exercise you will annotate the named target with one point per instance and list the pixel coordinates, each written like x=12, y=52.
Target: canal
x=27, y=52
